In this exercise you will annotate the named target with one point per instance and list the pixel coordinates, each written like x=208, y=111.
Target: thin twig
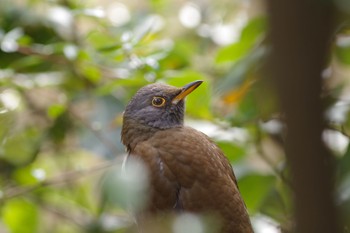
x=60, y=179
x=63, y=214
x=269, y=162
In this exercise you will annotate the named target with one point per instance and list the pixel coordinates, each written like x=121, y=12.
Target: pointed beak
x=186, y=90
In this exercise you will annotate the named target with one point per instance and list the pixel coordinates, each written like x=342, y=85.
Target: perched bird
x=188, y=172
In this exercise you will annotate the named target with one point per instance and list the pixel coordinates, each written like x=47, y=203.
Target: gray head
x=158, y=105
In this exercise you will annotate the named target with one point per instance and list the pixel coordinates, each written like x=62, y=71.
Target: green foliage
x=250, y=36
x=21, y=216
x=67, y=70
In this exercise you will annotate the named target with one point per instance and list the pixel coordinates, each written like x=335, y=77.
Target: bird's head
x=159, y=106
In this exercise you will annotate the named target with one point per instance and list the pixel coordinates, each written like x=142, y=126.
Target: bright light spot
x=9, y=41
x=343, y=41
x=10, y=99
x=95, y=12
x=224, y=34
x=190, y=15
x=273, y=126
x=39, y=174
x=188, y=223
x=154, y=22
x=118, y=14
x=126, y=37
x=335, y=140
x=70, y=51
x=338, y=112
x=111, y=223
x=263, y=224
x=60, y=16
x=120, y=73
x=63, y=19
x=48, y=79
x=221, y=133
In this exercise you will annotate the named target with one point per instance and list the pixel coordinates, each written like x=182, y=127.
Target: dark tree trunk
x=300, y=34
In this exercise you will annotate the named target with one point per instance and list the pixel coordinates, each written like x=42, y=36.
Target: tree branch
x=60, y=179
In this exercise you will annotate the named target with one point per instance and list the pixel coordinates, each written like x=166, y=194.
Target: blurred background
x=68, y=68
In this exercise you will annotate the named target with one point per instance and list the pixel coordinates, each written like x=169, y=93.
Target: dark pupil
x=157, y=101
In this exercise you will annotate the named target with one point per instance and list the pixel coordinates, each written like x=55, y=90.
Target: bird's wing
x=204, y=176
x=192, y=156
x=163, y=184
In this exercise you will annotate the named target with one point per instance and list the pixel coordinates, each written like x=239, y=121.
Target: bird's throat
x=134, y=133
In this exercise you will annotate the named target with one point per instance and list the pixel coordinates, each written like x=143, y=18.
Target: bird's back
x=189, y=172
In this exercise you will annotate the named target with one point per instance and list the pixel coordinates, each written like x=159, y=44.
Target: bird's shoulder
x=188, y=151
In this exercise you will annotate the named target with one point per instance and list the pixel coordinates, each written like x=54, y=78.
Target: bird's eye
x=158, y=101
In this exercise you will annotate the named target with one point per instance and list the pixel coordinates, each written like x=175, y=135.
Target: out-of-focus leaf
x=343, y=165
x=55, y=110
x=254, y=184
x=237, y=94
x=92, y=73
x=250, y=34
x=258, y=102
x=20, y=216
x=342, y=50
x=126, y=187
x=61, y=126
x=31, y=63
x=233, y=52
x=254, y=29
x=343, y=198
x=25, y=176
x=21, y=147
x=179, y=56
x=101, y=40
x=274, y=207
x=240, y=72
x=247, y=109
x=232, y=151
x=6, y=122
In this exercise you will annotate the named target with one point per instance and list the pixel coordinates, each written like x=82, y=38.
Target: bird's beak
x=187, y=89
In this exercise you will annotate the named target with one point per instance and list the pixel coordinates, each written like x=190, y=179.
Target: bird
x=188, y=172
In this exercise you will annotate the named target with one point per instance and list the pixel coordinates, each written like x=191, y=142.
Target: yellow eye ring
x=158, y=101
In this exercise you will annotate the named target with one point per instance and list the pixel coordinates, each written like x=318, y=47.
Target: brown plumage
x=188, y=172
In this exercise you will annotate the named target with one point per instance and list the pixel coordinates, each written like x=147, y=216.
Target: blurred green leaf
x=343, y=54
x=21, y=148
x=25, y=176
x=92, y=73
x=56, y=110
x=232, y=151
x=240, y=71
x=253, y=184
x=233, y=52
x=126, y=187
x=254, y=29
x=20, y=216
x=275, y=207
x=250, y=34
